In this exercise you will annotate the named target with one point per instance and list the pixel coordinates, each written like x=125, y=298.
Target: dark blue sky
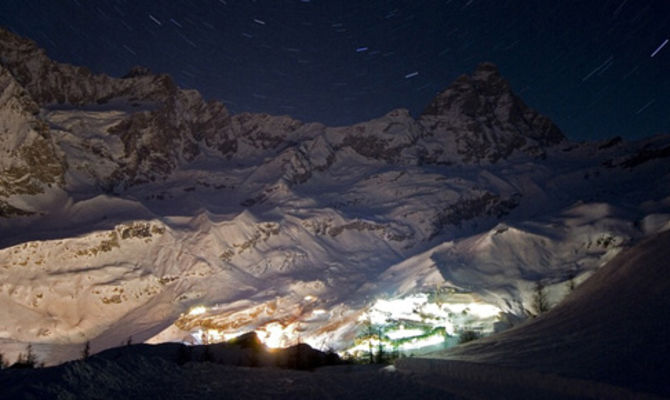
x=586, y=64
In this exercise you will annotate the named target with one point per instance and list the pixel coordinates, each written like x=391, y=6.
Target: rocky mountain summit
x=132, y=207
x=486, y=120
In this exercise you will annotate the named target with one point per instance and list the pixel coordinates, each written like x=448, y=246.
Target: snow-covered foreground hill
x=132, y=208
x=612, y=332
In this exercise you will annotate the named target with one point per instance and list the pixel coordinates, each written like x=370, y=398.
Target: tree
x=370, y=333
x=87, y=350
x=467, y=336
x=183, y=354
x=207, y=355
x=380, y=346
x=27, y=360
x=571, y=282
x=540, y=302
x=2, y=362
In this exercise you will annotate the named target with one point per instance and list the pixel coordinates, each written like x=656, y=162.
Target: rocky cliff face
x=163, y=125
x=50, y=82
x=125, y=202
x=486, y=121
x=29, y=161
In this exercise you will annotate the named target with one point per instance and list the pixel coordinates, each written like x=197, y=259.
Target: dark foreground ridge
x=219, y=371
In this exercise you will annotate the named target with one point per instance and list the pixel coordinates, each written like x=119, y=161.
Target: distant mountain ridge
x=125, y=202
x=486, y=120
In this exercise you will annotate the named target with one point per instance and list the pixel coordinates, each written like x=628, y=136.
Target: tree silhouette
x=87, y=350
x=27, y=360
x=571, y=282
x=371, y=332
x=184, y=354
x=467, y=336
x=540, y=302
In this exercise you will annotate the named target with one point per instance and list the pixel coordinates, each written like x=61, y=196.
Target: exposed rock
x=486, y=121
x=136, y=71
x=29, y=161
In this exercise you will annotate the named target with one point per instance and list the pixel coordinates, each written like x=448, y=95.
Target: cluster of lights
x=199, y=310
x=273, y=334
x=421, y=321
x=405, y=324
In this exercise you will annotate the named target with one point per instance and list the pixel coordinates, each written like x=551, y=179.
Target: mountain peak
x=10, y=40
x=137, y=71
x=470, y=94
x=486, y=69
x=489, y=120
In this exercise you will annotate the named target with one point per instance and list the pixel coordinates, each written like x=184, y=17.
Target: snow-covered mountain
x=130, y=207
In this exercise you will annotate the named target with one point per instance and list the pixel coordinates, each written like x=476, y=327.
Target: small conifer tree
x=87, y=350
x=27, y=360
x=540, y=302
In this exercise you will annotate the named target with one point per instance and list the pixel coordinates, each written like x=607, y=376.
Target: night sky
x=598, y=68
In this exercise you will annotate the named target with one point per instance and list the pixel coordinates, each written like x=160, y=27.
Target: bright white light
x=319, y=311
x=423, y=342
x=484, y=310
x=404, y=333
x=449, y=327
x=197, y=336
x=418, y=316
x=397, y=309
x=457, y=308
x=274, y=335
x=197, y=310
x=230, y=336
x=309, y=297
x=214, y=335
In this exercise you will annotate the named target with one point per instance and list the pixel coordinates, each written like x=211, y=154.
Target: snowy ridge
x=621, y=308
x=128, y=203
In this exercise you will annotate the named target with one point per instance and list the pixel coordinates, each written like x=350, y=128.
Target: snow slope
x=612, y=330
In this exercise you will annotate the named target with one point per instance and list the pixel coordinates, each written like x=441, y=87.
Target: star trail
x=597, y=68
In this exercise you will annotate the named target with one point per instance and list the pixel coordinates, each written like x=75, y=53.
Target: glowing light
x=214, y=335
x=404, y=333
x=420, y=320
x=484, y=310
x=309, y=298
x=275, y=335
x=230, y=336
x=197, y=310
x=422, y=342
x=397, y=309
x=319, y=311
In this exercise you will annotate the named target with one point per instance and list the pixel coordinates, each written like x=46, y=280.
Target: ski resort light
x=484, y=311
x=274, y=335
x=197, y=310
x=396, y=309
x=404, y=333
x=423, y=321
x=422, y=342
x=214, y=336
